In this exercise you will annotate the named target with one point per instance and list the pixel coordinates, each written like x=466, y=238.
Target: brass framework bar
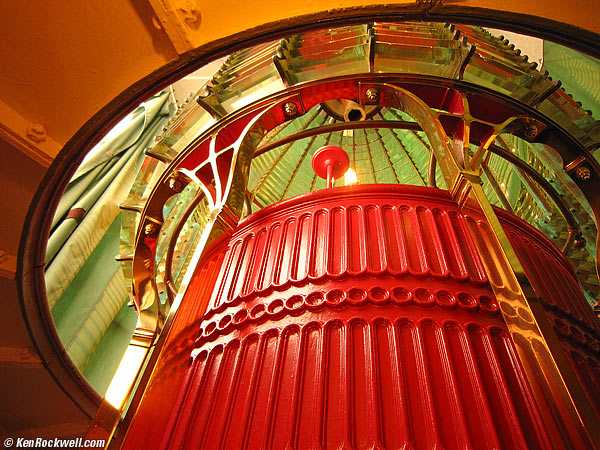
x=168, y=275
x=544, y=360
x=431, y=169
x=540, y=180
x=339, y=126
x=494, y=183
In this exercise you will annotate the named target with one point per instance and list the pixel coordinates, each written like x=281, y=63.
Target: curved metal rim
x=371, y=78
x=32, y=246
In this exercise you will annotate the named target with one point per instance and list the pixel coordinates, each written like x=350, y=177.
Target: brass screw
x=290, y=109
x=583, y=173
x=175, y=184
x=372, y=95
x=579, y=242
x=150, y=229
x=531, y=131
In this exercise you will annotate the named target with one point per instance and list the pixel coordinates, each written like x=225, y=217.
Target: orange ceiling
x=62, y=61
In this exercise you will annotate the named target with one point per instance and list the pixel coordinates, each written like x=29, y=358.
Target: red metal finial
x=330, y=162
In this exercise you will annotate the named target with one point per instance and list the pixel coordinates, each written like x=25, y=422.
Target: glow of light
x=125, y=375
x=350, y=177
x=514, y=150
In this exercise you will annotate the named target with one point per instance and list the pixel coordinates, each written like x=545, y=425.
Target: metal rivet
x=583, y=173
x=531, y=131
x=372, y=95
x=150, y=229
x=175, y=184
x=579, y=242
x=290, y=109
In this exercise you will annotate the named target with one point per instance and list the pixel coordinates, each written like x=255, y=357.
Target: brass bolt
x=150, y=229
x=583, y=173
x=579, y=242
x=372, y=95
x=175, y=184
x=290, y=109
x=531, y=130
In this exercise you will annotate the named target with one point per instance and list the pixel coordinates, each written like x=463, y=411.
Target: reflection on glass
x=187, y=127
